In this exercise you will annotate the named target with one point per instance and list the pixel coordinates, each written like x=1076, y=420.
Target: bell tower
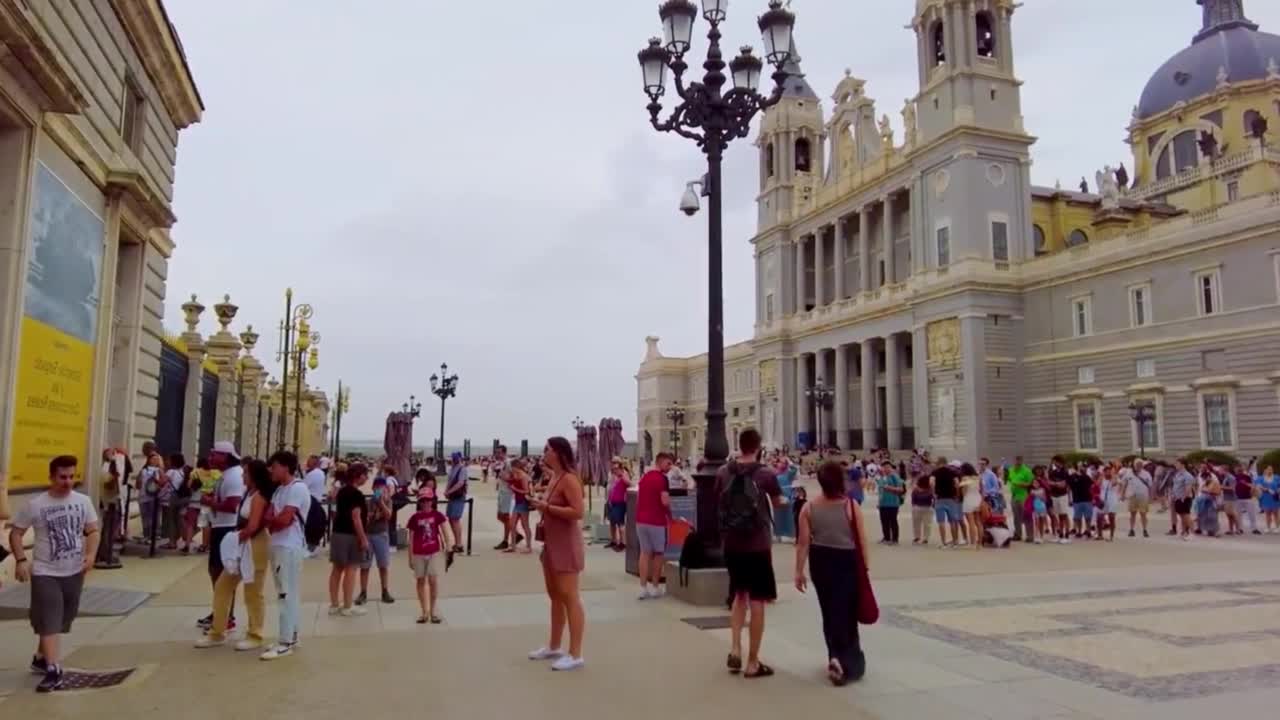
x=791, y=144
x=966, y=67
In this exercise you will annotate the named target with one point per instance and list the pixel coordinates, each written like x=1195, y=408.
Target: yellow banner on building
x=54, y=394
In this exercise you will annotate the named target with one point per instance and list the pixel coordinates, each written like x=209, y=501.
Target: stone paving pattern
x=1131, y=629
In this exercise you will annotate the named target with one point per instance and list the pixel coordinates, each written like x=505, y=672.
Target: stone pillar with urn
x=224, y=350
x=251, y=378
x=191, y=310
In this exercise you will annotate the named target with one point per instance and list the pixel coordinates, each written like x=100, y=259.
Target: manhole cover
x=87, y=680
x=716, y=622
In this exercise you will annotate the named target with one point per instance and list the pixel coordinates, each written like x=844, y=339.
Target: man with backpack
x=747, y=492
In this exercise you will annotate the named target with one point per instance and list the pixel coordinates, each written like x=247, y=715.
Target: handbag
x=868, y=610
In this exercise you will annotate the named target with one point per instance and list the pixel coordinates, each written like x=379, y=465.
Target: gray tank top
x=830, y=526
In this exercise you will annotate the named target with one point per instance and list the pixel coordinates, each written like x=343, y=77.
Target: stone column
x=920, y=384
x=842, y=395
x=868, y=395
x=888, y=241
x=800, y=289
x=820, y=267
x=195, y=375
x=251, y=376
x=224, y=349
x=840, y=260
x=802, y=402
x=892, y=393
x=973, y=363
x=864, y=249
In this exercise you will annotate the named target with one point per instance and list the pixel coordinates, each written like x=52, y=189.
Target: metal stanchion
x=155, y=523
x=471, y=506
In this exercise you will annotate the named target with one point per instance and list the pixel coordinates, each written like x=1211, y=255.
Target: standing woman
x=971, y=505
x=563, y=558
x=521, y=488
x=1110, y=496
x=1210, y=492
x=1269, y=498
x=348, y=543
x=831, y=534
x=253, y=507
x=617, y=498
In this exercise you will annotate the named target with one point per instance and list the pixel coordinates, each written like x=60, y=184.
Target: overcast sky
x=476, y=182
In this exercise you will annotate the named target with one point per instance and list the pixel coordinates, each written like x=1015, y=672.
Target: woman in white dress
x=1111, y=500
x=971, y=503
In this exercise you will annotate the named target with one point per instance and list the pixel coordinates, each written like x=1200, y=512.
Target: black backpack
x=740, y=503
x=316, y=524
x=693, y=556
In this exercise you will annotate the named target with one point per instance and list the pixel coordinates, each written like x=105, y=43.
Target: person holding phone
x=349, y=542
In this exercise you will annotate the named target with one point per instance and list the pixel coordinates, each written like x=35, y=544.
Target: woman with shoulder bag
x=253, y=540
x=832, y=536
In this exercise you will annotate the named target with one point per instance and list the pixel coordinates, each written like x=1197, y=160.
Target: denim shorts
x=379, y=551
x=1082, y=511
x=617, y=513
x=947, y=510
x=456, y=508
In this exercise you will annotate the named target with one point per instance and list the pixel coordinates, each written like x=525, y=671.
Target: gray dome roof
x=1236, y=46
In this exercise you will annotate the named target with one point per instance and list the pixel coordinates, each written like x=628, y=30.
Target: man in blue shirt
x=855, y=481
x=992, y=490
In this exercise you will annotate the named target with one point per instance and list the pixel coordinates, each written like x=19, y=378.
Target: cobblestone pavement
x=1137, y=628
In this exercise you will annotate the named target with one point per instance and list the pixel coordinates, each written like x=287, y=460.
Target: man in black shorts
x=748, y=544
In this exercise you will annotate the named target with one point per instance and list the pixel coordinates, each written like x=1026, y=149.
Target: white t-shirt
x=315, y=483
x=294, y=494
x=231, y=485
x=60, y=525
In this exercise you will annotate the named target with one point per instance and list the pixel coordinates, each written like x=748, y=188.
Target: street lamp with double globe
x=675, y=414
x=1142, y=414
x=443, y=386
x=821, y=395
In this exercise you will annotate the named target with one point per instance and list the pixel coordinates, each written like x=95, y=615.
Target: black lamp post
x=295, y=329
x=413, y=408
x=712, y=118
x=1142, y=414
x=821, y=395
x=675, y=414
x=443, y=386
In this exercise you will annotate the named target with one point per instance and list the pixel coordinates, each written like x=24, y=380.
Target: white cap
x=225, y=447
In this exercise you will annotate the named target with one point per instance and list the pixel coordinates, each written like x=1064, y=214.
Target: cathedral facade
x=947, y=302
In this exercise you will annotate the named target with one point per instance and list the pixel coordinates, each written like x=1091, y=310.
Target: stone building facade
x=954, y=305
x=93, y=96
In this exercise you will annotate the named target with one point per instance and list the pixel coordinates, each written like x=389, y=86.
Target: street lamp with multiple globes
x=340, y=407
x=308, y=359
x=578, y=423
x=1142, y=414
x=443, y=386
x=712, y=118
x=295, y=329
x=413, y=408
x=821, y=395
x=675, y=414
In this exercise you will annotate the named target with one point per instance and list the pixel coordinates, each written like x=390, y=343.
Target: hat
x=457, y=455
x=955, y=463
x=225, y=447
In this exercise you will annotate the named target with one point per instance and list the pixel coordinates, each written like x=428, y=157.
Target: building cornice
x=156, y=42
x=55, y=87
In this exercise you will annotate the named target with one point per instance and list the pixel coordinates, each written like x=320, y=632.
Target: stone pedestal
x=251, y=375
x=224, y=350
x=195, y=370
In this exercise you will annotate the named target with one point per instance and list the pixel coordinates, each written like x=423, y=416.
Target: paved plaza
x=1131, y=629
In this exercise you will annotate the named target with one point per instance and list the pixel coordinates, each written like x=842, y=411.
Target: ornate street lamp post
x=1142, y=414
x=296, y=324
x=306, y=361
x=675, y=414
x=443, y=386
x=821, y=395
x=341, y=406
x=712, y=118
x=413, y=408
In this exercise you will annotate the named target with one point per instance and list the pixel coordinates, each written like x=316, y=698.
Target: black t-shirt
x=944, y=483
x=1059, y=475
x=349, y=498
x=1081, y=488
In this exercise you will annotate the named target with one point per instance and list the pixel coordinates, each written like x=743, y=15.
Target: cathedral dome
x=1227, y=43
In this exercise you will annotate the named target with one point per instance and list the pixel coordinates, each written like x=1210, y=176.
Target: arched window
x=938, y=36
x=1185, y=153
x=803, y=160
x=768, y=159
x=1253, y=121
x=1077, y=238
x=1037, y=237
x=986, y=34
x=1163, y=168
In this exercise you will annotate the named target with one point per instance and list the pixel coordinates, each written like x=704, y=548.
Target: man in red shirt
x=653, y=508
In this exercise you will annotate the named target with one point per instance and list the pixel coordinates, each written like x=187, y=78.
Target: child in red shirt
x=428, y=558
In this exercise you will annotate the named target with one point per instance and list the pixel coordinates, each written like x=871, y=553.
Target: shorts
x=617, y=514
x=1139, y=504
x=379, y=550
x=506, y=499
x=427, y=565
x=1182, y=506
x=344, y=550
x=1082, y=511
x=751, y=574
x=215, y=549
x=55, y=602
x=206, y=518
x=520, y=507
x=652, y=538
x=456, y=508
x=1039, y=509
x=1061, y=504
x=946, y=510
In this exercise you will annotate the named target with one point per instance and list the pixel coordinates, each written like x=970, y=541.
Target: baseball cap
x=225, y=447
x=457, y=456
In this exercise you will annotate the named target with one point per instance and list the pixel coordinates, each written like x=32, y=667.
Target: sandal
x=436, y=619
x=835, y=673
x=734, y=663
x=422, y=619
x=762, y=670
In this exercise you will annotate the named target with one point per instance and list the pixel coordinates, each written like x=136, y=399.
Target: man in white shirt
x=501, y=470
x=316, y=480
x=286, y=519
x=66, y=528
x=224, y=503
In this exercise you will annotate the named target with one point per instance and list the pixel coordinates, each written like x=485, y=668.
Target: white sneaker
x=354, y=611
x=545, y=653
x=334, y=609
x=1038, y=541
x=962, y=543
x=247, y=645
x=207, y=642
x=657, y=592
x=277, y=652
x=567, y=663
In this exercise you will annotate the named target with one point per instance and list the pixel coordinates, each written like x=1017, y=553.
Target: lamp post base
x=709, y=512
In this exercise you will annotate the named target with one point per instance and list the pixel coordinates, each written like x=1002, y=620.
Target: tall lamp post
x=821, y=395
x=296, y=324
x=712, y=118
x=443, y=386
x=1142, y=414
x=341, y=406
x=308, y=359
x=675, y=414
x=578, y=424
